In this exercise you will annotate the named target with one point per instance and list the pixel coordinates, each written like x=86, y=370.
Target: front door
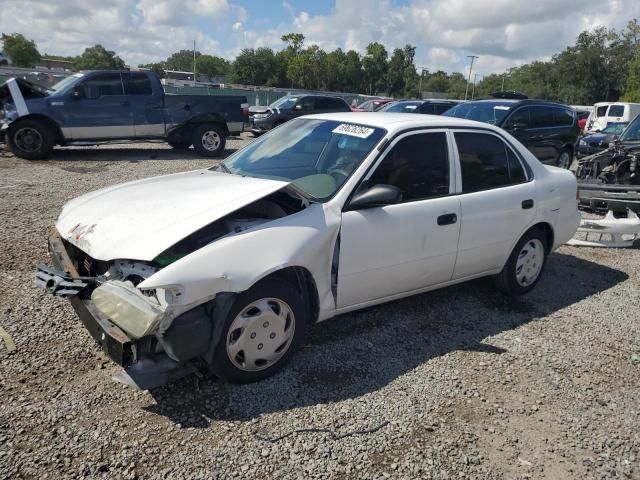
x=498, y=202
x=399, y=248
x=146, y=105
x=97, y=109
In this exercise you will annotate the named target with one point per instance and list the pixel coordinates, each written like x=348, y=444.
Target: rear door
x=98, y=109
x=498, y=202
x=544, y=134
x=146, y=105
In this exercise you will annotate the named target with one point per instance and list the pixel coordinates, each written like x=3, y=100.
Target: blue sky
x=504, y=33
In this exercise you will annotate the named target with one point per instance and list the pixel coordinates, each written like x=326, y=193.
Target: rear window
x=601, y=111
x=137, y=84
x=616, y=111
x=563, y=117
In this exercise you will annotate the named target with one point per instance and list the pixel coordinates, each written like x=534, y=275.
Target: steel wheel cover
x=529, y=263
x=260, y=334
x=211, y=140
x=28, y=139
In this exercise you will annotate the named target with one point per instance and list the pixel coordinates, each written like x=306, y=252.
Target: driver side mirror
x=519, y=126
x=298, y=107
x=377, y=196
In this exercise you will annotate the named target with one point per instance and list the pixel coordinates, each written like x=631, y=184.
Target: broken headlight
x=128, y=307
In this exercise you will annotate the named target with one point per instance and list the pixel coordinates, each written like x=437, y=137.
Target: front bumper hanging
x=608, y=232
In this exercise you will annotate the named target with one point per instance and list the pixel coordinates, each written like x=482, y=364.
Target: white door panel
x=492, y=221
x=396, y=248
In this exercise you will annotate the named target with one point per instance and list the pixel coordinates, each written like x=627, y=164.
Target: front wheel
x=30, y=139
x=526, y=262
x=262, y=329
x=209, y=140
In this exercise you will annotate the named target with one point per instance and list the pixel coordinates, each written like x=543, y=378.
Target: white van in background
x=605, y=112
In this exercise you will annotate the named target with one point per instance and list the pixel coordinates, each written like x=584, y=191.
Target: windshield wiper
x=223, y=168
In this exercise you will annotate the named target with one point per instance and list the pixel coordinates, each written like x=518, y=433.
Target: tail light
x=245, y=109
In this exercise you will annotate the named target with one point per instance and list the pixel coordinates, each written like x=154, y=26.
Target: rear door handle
x=447, y=219
x=526, y=204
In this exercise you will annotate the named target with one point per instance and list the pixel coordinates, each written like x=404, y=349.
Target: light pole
x=466, y=91
x=473, y=89
x=421, y=75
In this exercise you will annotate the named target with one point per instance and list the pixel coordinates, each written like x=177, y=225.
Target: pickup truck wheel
x=526, y=262
x=263, y=328
x=178, y=145
x=209, y=140
x=30, y=139
x=564, y=159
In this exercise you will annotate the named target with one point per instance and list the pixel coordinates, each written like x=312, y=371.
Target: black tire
x=31, y=139
x=564, y=160
x=257, y=134
x=179, y=145
x=282, y=291
x=215, y=133
x=507, y=280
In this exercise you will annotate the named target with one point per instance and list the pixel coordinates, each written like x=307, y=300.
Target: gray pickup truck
x=96, y=107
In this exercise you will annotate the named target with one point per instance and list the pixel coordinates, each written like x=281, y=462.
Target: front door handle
x=447, y=219
x=526, y=204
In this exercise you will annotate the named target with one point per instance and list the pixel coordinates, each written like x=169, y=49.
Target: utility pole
x=466, y=91
x=421, y=75
x=473, y=90
x=194, y=63
x=503, y=75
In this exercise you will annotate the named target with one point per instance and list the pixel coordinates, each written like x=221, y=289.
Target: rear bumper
x=113, y=341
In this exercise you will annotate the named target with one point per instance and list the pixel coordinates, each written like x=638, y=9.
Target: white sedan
x=324, y=215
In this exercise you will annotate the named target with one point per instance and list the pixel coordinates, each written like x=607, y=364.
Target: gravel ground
x=458, y=383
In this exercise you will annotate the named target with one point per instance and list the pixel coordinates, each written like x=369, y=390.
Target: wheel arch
x=548, y=233
x=50, y=123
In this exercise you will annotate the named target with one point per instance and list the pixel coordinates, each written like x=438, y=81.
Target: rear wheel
x=564, y=159
x=209, y=139
x=526, y=262
x=30, y=139
x=262, y=329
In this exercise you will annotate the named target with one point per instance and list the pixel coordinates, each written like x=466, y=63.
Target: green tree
x=374, y=64
x=294, y=41
x=23, y=52
x=157, y=68
x=98, y=58
x=353, y=72
x=212, y=66
x=632, y=90
x=181, y=61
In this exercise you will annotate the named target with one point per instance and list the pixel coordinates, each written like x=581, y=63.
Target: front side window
x=486, y=162
x=101, y=85
x=520, y=119
x=307, y=103
x=317, y=156
x=418, y=165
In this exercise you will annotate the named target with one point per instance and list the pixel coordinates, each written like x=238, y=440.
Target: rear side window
x=542, y=117
x=486, y=162
x=101, y=85
x=137, y=84
x=418, y=165
x=563, y=117
x=616, y=111
x=519, y=119
x=308, y=103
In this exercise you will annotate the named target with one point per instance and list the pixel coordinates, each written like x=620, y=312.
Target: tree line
x=604, y=64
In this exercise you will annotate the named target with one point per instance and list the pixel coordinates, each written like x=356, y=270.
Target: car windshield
x=402, y=107
x=615, y=128
x=317, y=156
x=285, y=102
x=369, y=106
x=63, y=84
x=632, y=132
x=488, y=112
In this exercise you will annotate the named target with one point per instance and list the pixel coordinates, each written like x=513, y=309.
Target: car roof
x=529, y=101
x=401, y=121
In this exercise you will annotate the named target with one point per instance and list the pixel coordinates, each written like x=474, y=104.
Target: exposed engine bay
x=616, y=165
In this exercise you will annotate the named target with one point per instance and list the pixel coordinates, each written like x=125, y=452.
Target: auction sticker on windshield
x=353, y=130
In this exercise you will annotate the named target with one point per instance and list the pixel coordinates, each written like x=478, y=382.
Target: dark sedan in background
x=599, y=141
x=432, y=107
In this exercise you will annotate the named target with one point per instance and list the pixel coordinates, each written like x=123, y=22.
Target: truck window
x=101, y=85
x=137, y=83
x=616, y=111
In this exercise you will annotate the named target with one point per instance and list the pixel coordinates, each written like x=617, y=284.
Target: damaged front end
x=155, y=333
x=611, y=231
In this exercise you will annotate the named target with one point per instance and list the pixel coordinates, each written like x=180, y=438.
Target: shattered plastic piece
x=608, y=232
x=8, y=341
x=635, y=359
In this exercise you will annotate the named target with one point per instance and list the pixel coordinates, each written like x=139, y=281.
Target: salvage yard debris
x=8, y=341
x=608, y=232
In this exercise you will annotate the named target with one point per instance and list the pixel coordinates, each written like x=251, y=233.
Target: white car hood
x=139, y=220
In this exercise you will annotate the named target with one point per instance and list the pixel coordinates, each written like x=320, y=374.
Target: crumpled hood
x=139, y=220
